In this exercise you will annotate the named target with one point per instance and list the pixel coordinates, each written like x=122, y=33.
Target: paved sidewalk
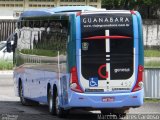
x=9, y=72
x=148, y=59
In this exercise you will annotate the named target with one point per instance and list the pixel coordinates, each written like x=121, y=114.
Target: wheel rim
x=50, y=101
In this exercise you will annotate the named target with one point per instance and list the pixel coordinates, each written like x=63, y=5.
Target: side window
x=24, y=35
x=51, y=38
x=47, y=36
x=41, y=40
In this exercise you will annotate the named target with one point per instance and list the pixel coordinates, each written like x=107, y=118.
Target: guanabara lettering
x=106, y=20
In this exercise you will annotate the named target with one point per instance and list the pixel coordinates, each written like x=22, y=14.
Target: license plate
x=107, y=99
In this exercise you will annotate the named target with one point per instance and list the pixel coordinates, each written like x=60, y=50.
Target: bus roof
x=51, y=11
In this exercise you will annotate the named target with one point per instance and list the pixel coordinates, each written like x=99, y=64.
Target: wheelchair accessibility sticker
x=93, y=82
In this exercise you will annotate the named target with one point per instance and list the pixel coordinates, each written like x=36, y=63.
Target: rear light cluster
x=74, y=84
x=139, y=83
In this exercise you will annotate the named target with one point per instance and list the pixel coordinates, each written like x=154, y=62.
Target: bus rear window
x=107, y=38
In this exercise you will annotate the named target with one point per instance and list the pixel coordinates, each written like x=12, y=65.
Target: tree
x=118, y=4
x=129, y=4
x=147, y=8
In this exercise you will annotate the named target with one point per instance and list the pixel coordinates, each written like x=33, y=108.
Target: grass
x=152, y=64
x=152, y=53
x=39, y=52
x=151, y=100
x=6, y=65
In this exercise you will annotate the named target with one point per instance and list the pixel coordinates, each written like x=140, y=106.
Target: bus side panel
x=21, y=75
x=64, y=90
x=78, y=47
x=71, y=44
x=71, y=62
x=18, y=75
x=39, y=48
x=64, y=75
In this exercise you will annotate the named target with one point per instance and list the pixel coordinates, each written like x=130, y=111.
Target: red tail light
x=74, y=84
x=139, y=83
x=133, y=12
x=78, y=14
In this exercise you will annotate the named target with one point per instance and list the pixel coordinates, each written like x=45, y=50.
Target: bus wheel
x=60, y=111
x=23, y=100
x=51, y=104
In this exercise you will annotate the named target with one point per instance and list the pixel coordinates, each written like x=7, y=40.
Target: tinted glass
x=93, y=51
x=40, y=42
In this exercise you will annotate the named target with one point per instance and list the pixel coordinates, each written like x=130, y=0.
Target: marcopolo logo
x=122, y=70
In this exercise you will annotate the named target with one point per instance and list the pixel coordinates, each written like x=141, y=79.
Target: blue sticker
x=93, y=82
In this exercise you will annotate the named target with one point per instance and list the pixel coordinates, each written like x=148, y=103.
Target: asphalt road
x=11, y=108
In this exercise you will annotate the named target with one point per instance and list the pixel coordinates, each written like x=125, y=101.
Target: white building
x=13, y=8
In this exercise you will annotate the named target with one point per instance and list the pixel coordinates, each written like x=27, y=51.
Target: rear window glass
x=93, y=45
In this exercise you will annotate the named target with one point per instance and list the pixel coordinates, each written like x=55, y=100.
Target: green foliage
x=129, y=4
x=147, y=2
x=121, y=2
x=152, y=64
x=151, y=2
x=152, y=53
x=39, y=52
x=152, y=100
x=6, y=65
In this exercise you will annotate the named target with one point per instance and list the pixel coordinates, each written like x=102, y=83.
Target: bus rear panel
x=108, y=65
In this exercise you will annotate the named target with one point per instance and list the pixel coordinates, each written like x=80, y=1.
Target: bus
x=79, y=58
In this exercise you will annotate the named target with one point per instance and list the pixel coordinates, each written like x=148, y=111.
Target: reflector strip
x=107, y=37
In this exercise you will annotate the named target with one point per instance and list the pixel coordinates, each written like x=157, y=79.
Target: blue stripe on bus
x=71, y=50
x=78, y=35
x=78, y=46
x=136, y=38
x=73, y=46
x=141, y=47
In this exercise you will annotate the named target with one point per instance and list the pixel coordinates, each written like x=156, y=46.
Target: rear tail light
x=78, y=14
x=74, y=84
x=133, y=12
x=139, y=83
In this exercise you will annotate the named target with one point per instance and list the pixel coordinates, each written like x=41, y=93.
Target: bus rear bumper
x=97, y=101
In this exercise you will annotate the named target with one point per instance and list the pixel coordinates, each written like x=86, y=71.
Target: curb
x=8, y=72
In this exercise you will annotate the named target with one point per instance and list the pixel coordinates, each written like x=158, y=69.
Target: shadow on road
x=15, y=111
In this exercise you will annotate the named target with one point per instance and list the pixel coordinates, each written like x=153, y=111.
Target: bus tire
x=59, y=110
x=51, y=103
x=23, y=100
